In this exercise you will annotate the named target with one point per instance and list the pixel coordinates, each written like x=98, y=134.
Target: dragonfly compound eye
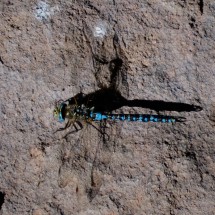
x=58, y=112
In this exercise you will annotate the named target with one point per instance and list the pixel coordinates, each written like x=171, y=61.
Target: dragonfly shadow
x=109, y=99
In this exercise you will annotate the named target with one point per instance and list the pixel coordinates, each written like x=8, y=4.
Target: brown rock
x=151, y=50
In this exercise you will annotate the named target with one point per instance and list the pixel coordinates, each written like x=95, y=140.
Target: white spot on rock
x=43, y=11
x=100, y=30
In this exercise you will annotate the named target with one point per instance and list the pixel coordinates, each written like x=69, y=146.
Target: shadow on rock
x=108, y=100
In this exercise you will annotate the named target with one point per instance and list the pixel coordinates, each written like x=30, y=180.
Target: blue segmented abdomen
x=136, y=117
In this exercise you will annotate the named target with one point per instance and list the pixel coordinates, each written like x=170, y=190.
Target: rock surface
x=52, y=50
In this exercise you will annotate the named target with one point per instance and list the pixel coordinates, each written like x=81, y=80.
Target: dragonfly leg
x=69, y=123
x=76, y=128
x=80, y=125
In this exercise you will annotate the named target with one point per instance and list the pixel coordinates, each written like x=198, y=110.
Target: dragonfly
x=76, y=112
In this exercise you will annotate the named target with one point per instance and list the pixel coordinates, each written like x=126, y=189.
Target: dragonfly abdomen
x=135, y=117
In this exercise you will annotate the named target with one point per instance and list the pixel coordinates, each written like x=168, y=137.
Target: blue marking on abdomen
x=122, y=117
x=128, y=117
x=171, y=120
x=98, y=116
x=117, y=117
x=163, y=120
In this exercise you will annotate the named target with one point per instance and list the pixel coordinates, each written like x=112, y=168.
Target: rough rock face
x=151, y=50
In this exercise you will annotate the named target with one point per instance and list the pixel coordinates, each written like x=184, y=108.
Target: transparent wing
x=85, y=156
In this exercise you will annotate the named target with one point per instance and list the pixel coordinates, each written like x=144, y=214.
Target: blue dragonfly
x=77, y=113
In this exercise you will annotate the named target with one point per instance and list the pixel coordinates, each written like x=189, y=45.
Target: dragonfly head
x=59, y=111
